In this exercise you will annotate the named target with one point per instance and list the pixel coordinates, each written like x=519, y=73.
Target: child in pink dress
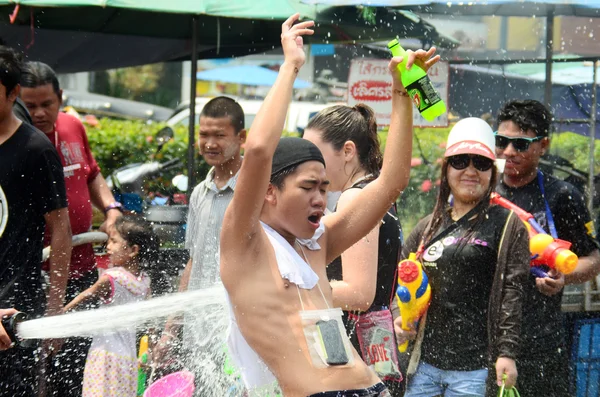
x=111, y=366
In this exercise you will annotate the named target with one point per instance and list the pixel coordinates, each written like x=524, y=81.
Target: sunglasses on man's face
x=520, y=144
x=462, y=161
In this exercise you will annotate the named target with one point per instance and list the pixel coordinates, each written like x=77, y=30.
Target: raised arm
x=346, y=227
x=359, y=267
x=100, y=290
x=241, y=221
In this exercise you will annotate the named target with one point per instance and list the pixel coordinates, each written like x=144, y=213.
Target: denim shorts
x=430, y=381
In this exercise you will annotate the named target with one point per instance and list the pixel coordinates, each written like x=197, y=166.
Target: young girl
x=111, y=365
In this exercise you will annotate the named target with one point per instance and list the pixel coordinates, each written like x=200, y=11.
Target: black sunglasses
x=462, y=161
x=520, y=144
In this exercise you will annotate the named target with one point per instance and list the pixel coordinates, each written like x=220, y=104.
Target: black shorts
x=377, y=390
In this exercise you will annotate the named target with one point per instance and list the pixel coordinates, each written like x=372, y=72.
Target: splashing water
x=202, y=351
x=123, y=317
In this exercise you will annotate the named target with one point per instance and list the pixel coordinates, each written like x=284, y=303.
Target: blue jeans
x=430, y=381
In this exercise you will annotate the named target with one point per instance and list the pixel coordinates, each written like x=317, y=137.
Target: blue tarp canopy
x=246, y=75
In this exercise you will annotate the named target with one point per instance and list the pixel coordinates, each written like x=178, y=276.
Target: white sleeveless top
x=293, y=268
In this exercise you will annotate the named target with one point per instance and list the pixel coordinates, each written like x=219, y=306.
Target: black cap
x=294, y=151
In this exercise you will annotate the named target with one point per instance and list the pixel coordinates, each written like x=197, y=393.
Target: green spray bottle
x=419, y=87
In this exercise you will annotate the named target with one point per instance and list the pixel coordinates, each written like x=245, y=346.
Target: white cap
x=471, y=136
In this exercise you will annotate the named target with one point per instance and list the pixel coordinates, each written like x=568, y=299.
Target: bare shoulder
x=347, y=197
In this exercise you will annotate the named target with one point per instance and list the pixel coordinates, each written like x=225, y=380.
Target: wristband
x=114, y=206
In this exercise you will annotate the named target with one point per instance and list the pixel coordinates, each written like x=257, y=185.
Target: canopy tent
x=230, y=28
x=125, y=33
x=245, y=75
x=179, y=29
x=98, y=34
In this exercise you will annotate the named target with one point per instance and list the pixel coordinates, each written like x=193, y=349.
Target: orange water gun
x=545, y=249
x=413, y=293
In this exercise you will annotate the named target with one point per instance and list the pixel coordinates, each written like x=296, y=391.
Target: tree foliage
x=116, y=143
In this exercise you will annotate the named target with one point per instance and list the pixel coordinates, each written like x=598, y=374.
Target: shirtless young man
x=286, y=190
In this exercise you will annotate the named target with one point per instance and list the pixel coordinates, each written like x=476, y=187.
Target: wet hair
x=223, y=106
x=528, y=115
x=11, y=70
x=339, y=124
x=37, y=74
x=278, y=178
x=135, y=230
x=442, y=208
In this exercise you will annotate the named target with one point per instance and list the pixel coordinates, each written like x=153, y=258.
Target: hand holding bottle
x=421, y=58
x=415, y=79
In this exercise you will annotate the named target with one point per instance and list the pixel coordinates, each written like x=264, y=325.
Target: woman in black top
x=363, y=278
x=476, y=257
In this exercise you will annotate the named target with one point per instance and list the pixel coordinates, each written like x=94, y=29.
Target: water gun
x=545, y=249
x=413, y=293
x=143, y=357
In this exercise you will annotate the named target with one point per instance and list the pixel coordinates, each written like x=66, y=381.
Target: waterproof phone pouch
x=326, y=338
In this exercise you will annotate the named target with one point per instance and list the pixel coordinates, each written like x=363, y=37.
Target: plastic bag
x=375, y=331
x=326, y=338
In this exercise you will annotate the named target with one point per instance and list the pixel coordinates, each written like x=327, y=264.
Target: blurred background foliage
x=116, y=143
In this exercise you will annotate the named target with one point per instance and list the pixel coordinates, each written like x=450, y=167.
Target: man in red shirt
x=85, y=187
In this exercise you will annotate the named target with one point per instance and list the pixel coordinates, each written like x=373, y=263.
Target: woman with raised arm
x=363, y=278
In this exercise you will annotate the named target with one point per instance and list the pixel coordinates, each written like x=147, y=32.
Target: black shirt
x=387, y=260
x=31, y=185
x=20, y=110
x=543, y=328
x=461, y=269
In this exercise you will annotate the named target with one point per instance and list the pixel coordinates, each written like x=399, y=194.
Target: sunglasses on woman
x=462, y=161
x=520, y=144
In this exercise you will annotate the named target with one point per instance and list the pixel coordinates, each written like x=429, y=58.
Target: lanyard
x=549, y=217
x=318, y=286
x=455, y=225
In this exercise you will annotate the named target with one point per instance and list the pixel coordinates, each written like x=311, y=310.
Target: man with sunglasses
x=522, y=139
